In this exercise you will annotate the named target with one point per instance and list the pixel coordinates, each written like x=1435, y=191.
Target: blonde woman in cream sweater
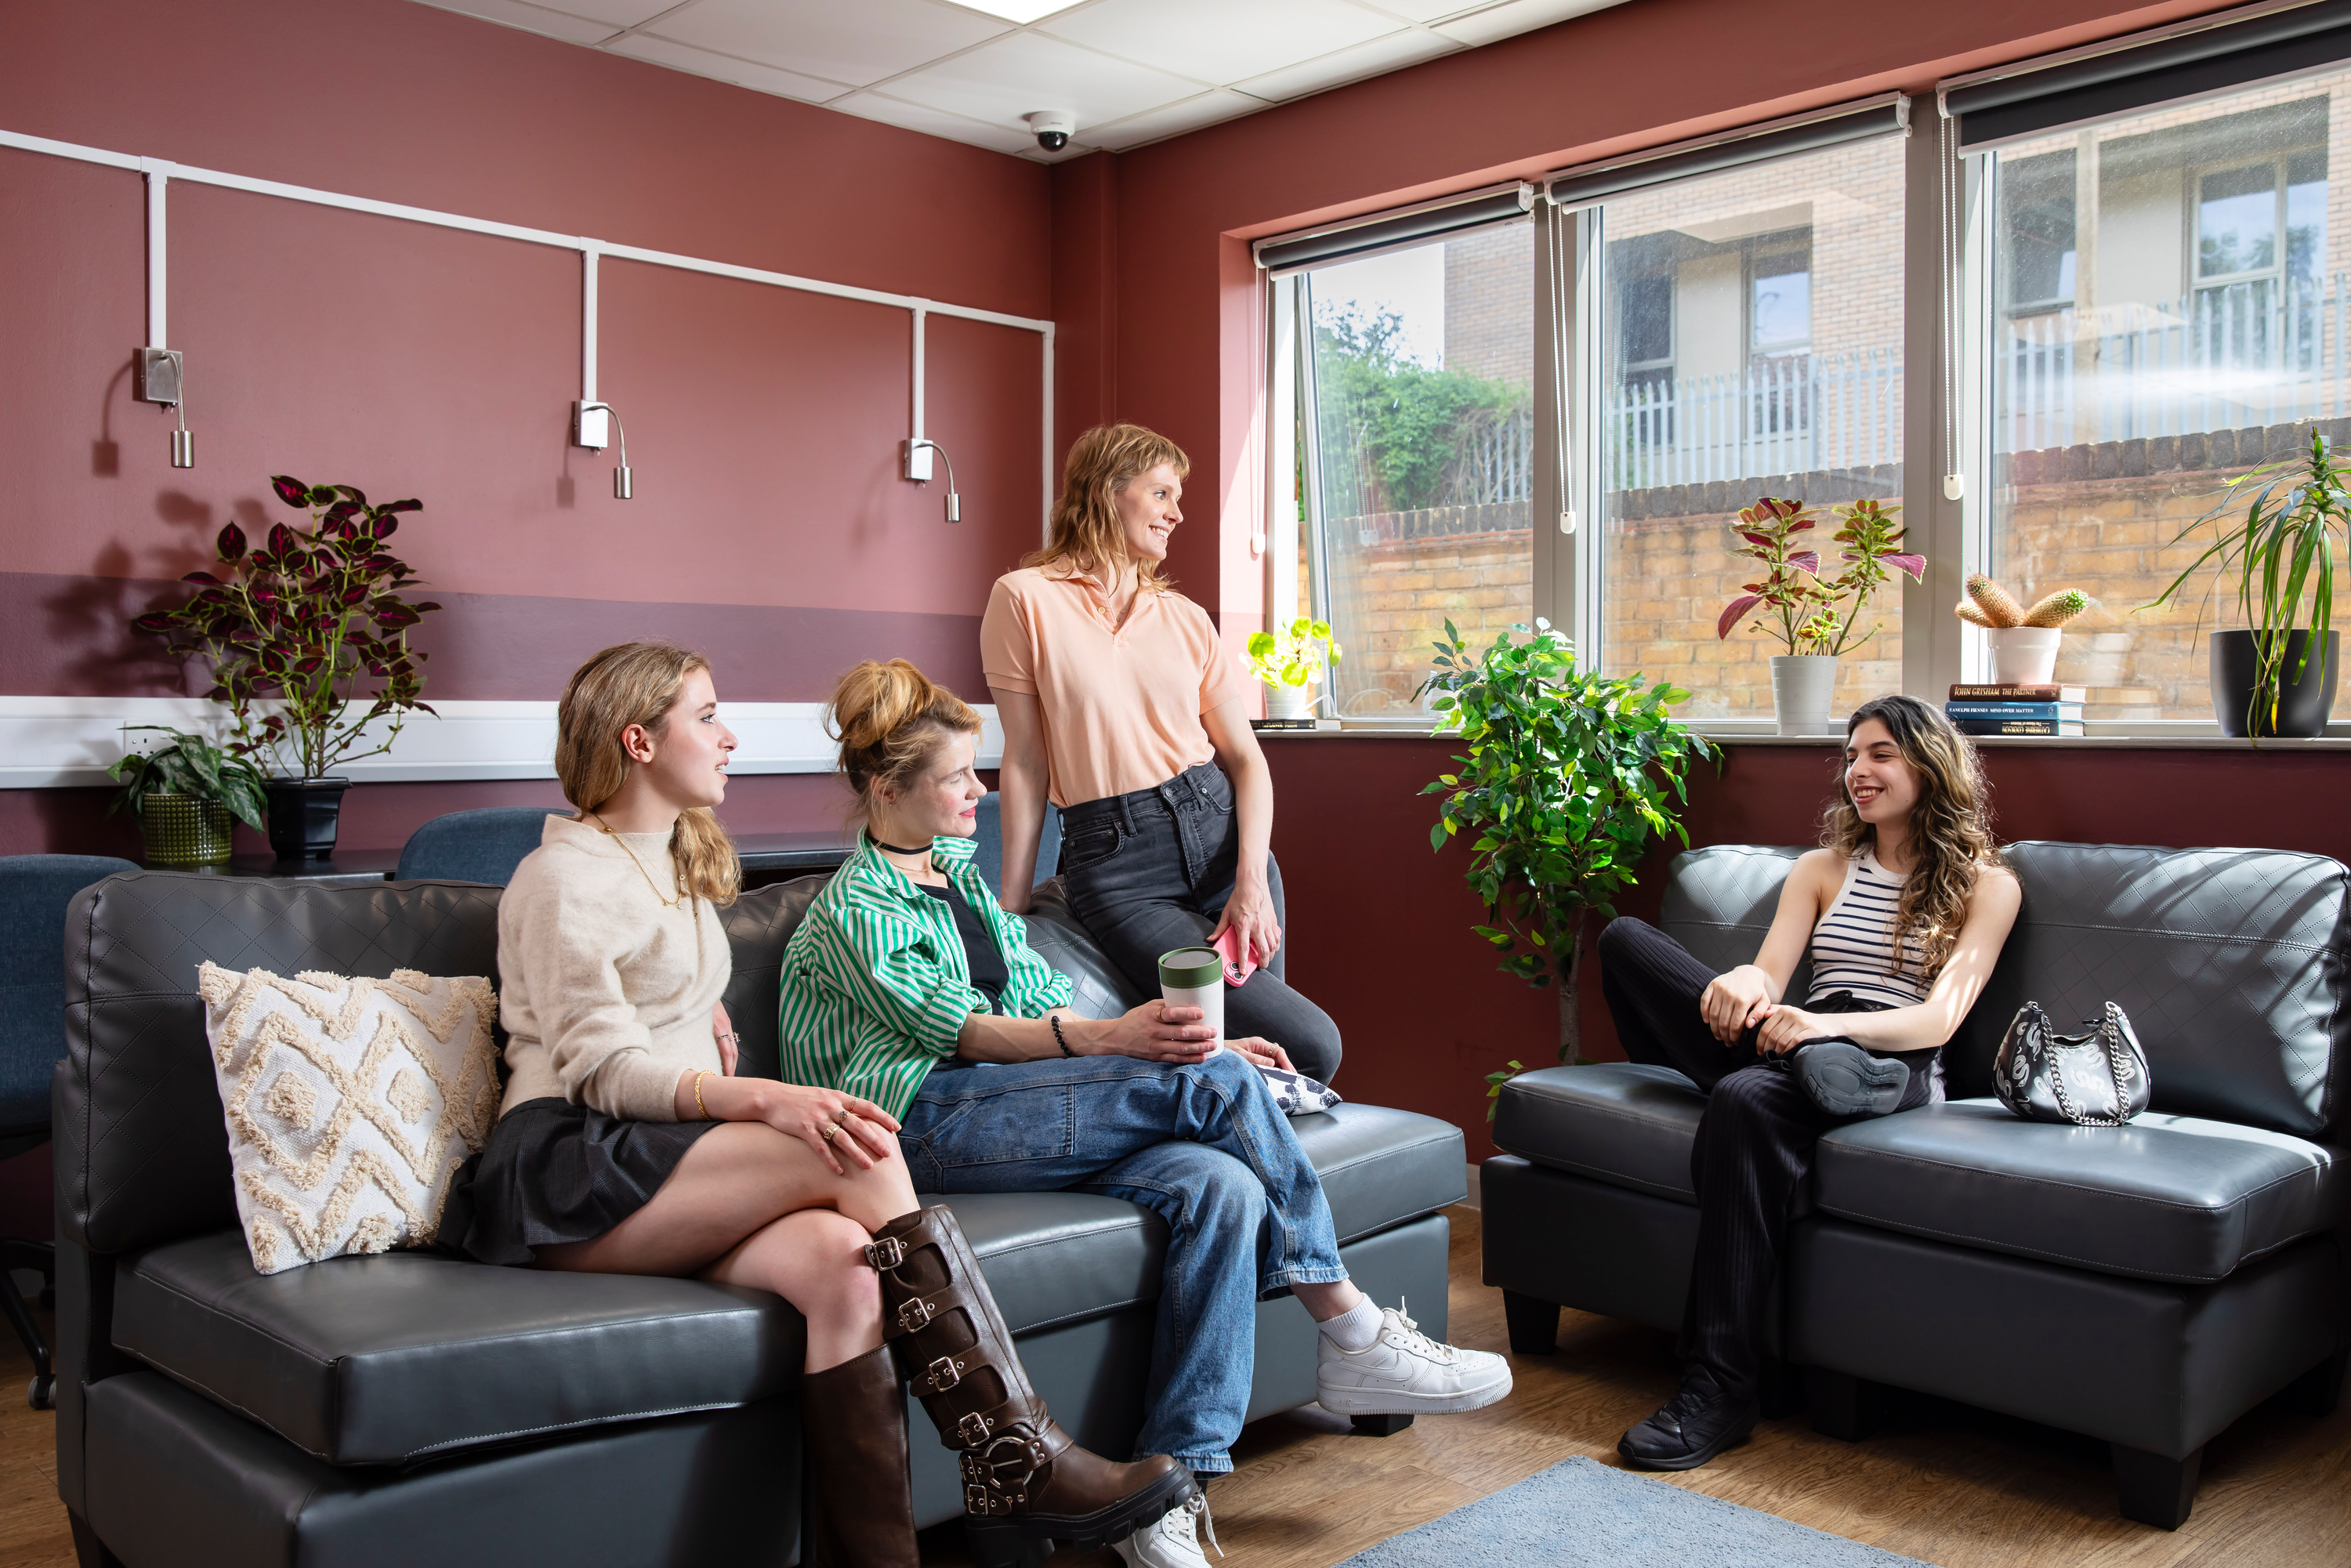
x=628, y=1145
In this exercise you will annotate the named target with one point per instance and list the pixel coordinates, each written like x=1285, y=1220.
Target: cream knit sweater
x=605, y=993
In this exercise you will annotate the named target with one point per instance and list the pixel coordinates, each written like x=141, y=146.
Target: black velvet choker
x=894, y=850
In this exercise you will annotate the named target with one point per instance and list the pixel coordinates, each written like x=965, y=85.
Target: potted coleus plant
x=2277, y=677
x=1292, y=662
x=185, y=793
x=1567, y=775
x=1815, y=618
x=307, y=638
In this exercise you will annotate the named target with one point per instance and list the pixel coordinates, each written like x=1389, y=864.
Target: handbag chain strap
x=2111, y=1035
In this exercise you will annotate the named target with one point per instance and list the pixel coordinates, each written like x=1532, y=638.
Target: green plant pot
x=182, y=830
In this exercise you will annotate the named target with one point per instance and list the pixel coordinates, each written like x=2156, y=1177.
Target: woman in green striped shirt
x=909, y=985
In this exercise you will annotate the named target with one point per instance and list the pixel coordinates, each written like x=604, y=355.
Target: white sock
x=1356, y=1329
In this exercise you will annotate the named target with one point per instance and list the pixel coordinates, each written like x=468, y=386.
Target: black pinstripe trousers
x=1754, y=1145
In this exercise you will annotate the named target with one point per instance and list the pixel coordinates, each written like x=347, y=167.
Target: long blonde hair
x=891, y=720
x=638, y=683
x=1951, y=827
x=1086, y=534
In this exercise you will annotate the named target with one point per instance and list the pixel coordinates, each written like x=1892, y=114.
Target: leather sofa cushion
x=1616, y=1122
x=2166, y=1197
x=396, y=1358
x=391, y=1359
x=1381, y=1166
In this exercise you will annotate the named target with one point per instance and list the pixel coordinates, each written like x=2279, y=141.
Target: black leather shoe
x=1697, y=1424
x=1846, y=1080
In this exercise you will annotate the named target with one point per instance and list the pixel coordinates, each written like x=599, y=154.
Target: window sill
x=2190, y=736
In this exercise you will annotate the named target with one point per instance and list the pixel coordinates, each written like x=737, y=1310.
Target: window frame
x=1571, y=350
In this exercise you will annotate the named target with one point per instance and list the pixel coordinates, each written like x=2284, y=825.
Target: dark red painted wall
x=768, y=524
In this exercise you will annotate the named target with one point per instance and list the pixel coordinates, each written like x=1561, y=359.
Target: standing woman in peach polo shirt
x=1121, y=706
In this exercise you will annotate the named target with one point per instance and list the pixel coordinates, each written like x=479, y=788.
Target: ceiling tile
x=619, y=13
x=1020, y=10
x=530, y=18
x=1002, y=80
x=1516, y=16
x=860, y=43
x=1209, y=108
x=1219, y=40
x=723, y=68
x=1422, y=10
x=935, y=122
x=1397, y=49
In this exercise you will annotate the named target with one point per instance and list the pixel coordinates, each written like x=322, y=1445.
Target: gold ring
x=832, y=1131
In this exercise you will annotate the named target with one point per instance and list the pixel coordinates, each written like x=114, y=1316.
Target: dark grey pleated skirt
x=554, y=1172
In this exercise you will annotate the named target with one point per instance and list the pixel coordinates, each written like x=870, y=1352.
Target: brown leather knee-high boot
x=1025, y=1483
x=858, y=1512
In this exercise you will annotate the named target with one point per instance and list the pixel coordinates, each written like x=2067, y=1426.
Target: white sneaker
x=1173, y=1541
x=1405, y=1372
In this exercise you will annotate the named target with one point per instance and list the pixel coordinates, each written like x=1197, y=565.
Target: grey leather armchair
x=2146, y=1284
x=416, y=1406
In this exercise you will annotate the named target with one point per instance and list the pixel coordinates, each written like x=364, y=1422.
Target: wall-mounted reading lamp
x=593, y=425
x=917, y=453
x=163, y=377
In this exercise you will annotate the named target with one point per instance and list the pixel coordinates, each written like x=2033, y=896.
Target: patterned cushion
x=349, y=1103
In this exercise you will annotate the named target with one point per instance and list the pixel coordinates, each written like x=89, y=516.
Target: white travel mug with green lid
x=1194, y=977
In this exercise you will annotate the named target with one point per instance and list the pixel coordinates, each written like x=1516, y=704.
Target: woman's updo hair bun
x=890, y=719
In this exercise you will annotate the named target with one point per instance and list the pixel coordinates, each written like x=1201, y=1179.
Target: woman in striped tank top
x=1902, y=912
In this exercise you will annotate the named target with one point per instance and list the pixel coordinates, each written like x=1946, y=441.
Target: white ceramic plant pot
x=1289, y=702
x=2023, y=655
x=1802, y=684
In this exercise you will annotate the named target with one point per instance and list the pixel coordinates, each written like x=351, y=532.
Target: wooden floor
x=1941, y=1482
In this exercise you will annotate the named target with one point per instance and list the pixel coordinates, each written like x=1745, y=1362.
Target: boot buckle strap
x=979, y=1500
x=974, y=1429
x=885, y=1254
x=943, y=1374
x=914, y=1313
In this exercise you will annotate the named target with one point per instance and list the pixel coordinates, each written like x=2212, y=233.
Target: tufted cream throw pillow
x=349, y=1103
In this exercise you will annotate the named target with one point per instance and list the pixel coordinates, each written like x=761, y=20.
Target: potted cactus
x=2025, y=639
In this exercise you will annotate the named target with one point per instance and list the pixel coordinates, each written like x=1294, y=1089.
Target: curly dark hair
x=1951, y=827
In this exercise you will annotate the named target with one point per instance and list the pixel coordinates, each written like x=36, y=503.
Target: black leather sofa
x=2146, y=1284
x=417, y=1407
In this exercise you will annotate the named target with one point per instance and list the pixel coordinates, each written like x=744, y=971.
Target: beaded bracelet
x=1055, y=1019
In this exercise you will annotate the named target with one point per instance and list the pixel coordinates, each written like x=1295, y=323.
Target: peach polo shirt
x=1121, y=705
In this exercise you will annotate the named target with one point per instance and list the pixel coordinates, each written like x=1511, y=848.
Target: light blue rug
x=1581, y=1513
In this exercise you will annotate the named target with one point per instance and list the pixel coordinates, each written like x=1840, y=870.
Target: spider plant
x=2281, y=550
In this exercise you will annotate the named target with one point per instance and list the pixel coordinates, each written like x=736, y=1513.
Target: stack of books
x=2016, y=710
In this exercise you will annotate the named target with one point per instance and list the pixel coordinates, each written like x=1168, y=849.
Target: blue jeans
x=1149, y=872
x=1201, y=1146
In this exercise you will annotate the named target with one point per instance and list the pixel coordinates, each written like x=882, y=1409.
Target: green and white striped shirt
x=875, y=988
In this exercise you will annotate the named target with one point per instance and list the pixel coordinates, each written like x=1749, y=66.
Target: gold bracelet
x=697, y=1094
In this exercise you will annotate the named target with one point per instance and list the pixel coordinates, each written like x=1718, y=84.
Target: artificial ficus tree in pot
x=1567, y=775
x=305, y=638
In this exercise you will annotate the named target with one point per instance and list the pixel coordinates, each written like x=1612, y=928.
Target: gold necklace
x=684, y=897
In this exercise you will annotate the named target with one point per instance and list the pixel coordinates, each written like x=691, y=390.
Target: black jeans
x=1149, y=872
x=1755, y=1142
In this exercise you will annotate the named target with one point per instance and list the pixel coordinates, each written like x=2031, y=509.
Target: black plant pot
x=2304, y=704
x=303, y=816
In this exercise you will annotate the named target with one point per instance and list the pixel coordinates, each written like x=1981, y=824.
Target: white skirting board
x=53, y=742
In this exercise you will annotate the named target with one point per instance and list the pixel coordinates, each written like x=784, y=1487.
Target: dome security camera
x=1053, y=127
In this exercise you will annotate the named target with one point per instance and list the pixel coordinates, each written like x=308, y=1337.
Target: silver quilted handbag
x=2094, y=1079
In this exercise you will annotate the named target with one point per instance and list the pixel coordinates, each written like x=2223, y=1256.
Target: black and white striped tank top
x=1852, y=946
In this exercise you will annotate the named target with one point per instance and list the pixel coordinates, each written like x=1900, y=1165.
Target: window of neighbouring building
x=2165, y=314
x=1412, y=460
x=1751, y=345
